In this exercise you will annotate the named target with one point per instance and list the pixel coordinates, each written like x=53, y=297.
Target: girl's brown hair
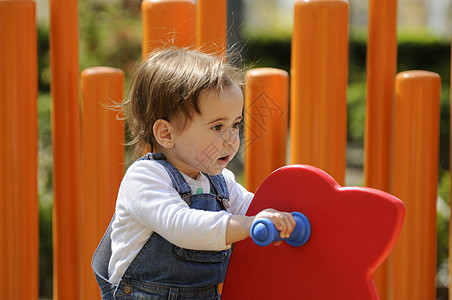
x=168, y=84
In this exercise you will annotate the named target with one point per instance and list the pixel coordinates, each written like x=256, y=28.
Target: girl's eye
x=238, y=124
x=217, y=127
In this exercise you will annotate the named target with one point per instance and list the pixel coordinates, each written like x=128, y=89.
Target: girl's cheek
x=238, y=141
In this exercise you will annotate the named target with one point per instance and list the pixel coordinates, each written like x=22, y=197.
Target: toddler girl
x=178, y=209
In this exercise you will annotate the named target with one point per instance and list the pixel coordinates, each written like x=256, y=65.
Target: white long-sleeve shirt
x=147, y=203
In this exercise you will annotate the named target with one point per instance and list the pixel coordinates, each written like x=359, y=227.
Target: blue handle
x=263, y=232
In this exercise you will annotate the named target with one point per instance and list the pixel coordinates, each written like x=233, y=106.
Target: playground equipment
x=318, y=77
x=414, y=178
x=211, y=24
x=101, y=87
x=381, y=68
x=266, y=118
x=167, y=23
x=338, y=260
x=319, y=84
x=263, y=232
x=66, y=147
x=18, y=151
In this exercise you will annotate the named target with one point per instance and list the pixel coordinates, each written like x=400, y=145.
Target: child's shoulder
x=147, y=169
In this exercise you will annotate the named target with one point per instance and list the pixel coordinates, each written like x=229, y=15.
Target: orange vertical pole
x=266, y=120
x=211, y=26
x=414, y=176
x=167, y=23
x=18, y=151
x=102, y=164
x=66, y=146
x=381, y=71
x=318, y=85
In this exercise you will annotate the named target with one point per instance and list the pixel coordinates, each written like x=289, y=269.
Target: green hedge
x=432, y=55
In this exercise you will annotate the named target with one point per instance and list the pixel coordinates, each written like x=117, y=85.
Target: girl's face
x=211, y=138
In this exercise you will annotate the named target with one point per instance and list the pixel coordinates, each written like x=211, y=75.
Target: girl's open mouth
x=224, y=158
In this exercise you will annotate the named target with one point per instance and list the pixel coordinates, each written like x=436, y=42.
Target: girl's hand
x=283, y=221
x=238, y=227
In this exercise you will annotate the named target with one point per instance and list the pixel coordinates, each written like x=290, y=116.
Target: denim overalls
x=162, y=270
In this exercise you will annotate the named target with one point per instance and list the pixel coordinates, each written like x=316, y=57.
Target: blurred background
x=110, y=35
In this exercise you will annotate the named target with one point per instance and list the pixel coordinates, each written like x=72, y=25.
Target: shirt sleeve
x=239, y=198
x=148, y=196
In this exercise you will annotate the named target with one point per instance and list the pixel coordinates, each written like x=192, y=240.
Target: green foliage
x=444, y=128
x=356, y=110
x=110, y=34
x=434, y=56
x=268, y=52
x=44, y=123
x=417, y=36
x=443, y=221
x=44, y=168
x=45, y=250
x=43, y=58
x=45, y=196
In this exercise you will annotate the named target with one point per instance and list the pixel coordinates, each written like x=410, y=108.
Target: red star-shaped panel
x=353, y=231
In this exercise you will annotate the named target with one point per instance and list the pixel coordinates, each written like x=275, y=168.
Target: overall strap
x=179, y=183
x=220, y=188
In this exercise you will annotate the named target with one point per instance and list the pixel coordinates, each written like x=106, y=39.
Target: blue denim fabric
x=162, y=270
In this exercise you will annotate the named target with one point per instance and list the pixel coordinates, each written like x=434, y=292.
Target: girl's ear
x=163, y=133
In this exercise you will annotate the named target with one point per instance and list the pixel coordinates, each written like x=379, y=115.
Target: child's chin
x=215, y=171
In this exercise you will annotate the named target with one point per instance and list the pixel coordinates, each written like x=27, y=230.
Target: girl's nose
x=231, y=136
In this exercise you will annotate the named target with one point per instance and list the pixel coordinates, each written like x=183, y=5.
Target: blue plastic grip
x=263, y=232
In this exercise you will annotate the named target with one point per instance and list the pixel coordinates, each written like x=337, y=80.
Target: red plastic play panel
x=353, y=231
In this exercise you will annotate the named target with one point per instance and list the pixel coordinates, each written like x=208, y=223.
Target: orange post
x=211, y=26
x=319, y=84
x=18, y=151
x=167, y=23
x=102, y=164
x=381, y=71
x=414, y=176
x=66, y=146
x=266, y=120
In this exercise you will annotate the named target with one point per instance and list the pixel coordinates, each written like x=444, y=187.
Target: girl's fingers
x=284, y=228
x=290, y=224
x=285, y=223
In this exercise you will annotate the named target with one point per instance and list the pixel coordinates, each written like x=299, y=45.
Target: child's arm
x=238, y=227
